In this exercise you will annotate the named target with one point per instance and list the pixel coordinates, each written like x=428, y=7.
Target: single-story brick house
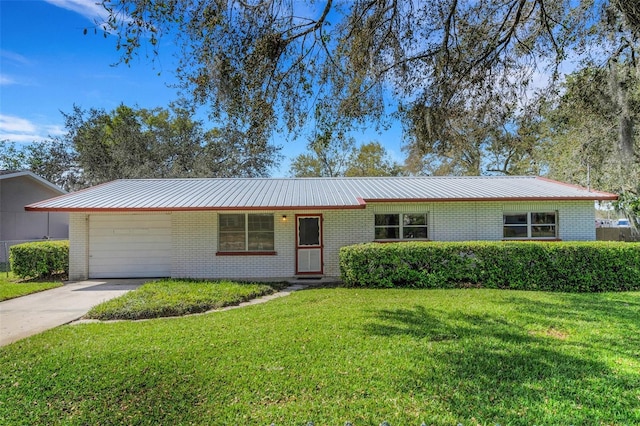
x=278, y=228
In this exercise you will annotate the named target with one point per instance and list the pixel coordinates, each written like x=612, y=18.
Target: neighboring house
x=273, y=228
x=18, y=189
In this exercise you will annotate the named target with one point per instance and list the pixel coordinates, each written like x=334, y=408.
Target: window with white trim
x=240, y=232
x=401, y=226
x=530, y=225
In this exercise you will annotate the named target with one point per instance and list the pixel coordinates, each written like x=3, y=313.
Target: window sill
x=402, y=241
x=246, y=253
x=532, y=239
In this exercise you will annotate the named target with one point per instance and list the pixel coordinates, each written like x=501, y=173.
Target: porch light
x=284, y=217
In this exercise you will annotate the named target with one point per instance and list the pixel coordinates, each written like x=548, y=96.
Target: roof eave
x=362, y=203
x=36, y=178
x=36, y=208
x=599, y=197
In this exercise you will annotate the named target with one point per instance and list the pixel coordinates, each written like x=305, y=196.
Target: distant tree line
x=100, y=146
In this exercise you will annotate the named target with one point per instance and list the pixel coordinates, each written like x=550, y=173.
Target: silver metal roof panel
x=301, y=193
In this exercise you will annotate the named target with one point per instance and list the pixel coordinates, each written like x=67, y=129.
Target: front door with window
x=308, y=244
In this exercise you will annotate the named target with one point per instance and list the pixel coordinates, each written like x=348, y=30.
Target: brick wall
x=195, y=244
x=459, y=221
x=78, y=246
x=195, y=234
x=343, y=228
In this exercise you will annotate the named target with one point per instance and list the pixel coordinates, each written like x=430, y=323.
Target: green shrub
x=40, y=259
x=549, y=266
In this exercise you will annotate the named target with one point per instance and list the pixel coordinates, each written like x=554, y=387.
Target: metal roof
x=304, y=193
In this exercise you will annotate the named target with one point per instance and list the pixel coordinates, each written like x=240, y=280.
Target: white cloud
x=55, y=130
x=20, y=137
x=9, y=123
x=20, y=80
x=90, y=9
x=14, y=57
x=17, y=129
x=14, y=60
x=6, y=81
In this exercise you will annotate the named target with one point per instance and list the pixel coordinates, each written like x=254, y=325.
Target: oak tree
x=266, y=65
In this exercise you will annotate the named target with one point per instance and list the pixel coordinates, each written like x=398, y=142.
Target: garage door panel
x=128, y=239
x=121, y=231
x=147, y=251
x=116, y=273
x=124, y=229
x=118, y=243
x=123, y=246
x=124, y=266
x=112, y=257
x=149, y=270
x=132, y=218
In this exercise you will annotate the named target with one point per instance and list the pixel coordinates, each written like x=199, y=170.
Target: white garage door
x=128, y=246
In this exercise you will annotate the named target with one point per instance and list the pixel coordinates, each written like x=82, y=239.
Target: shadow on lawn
x=621, y=308
x=599, y=313
x=523, y=368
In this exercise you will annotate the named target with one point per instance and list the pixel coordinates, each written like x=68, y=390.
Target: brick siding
x=195, y=234
x=78, y=246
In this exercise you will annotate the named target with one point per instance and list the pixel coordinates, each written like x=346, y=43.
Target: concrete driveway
x=28, y=315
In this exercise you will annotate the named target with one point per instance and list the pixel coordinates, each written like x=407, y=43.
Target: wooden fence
x=617, y=234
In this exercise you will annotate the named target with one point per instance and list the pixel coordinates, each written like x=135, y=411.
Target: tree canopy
x=127, y=142
x=332, y=156
x=590, y=134
x=267, y=64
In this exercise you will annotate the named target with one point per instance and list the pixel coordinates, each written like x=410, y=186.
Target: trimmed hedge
x=549, y=266
x=40, y=259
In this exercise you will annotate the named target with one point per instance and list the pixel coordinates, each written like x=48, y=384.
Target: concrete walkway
x=28, y=315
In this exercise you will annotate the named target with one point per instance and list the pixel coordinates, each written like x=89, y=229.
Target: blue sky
x=47, y=65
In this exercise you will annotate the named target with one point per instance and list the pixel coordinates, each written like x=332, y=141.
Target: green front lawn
x=442, y=357
x=11, y=287
x=176, y=297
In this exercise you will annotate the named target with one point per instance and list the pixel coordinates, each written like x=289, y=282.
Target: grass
x=11, y=287
x=171, y=297
x=443, y=357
